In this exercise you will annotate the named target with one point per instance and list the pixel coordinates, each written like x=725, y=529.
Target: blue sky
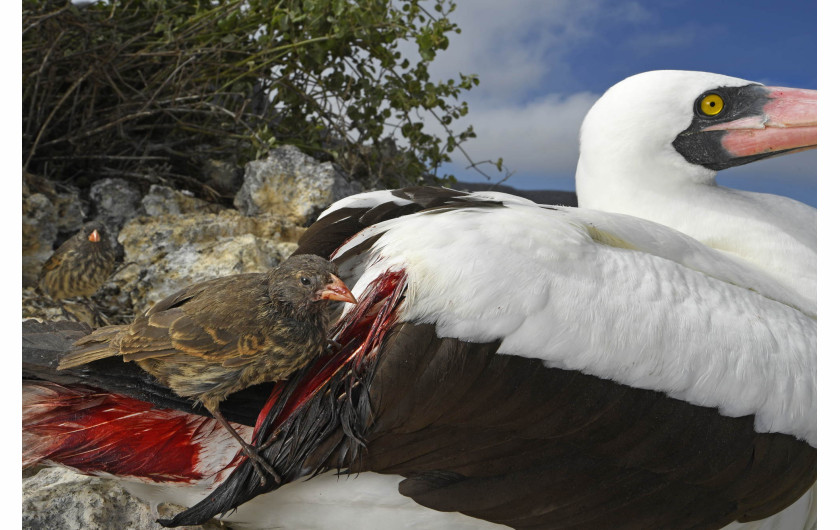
x=542, y=63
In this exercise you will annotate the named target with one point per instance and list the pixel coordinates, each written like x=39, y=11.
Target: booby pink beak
x=788, y=124
x=336, y=290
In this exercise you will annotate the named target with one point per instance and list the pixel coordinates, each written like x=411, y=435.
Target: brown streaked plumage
x=220, y=336
x=80, y=265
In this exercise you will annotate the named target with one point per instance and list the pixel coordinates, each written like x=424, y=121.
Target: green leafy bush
x=153, y=88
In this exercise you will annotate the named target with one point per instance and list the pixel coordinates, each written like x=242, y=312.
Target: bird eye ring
x=710, y=105
x=305, y=281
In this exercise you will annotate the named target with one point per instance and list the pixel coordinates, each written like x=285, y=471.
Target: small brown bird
x=219, y=336
x=80, y=265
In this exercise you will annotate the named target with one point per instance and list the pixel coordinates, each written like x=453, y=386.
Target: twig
x=38, y=20
x=55, y=109
x=105, y=127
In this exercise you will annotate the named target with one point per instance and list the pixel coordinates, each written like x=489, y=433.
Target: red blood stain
x=359, y=334
x=93, y=432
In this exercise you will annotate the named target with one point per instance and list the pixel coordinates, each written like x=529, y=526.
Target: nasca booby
x=524, y=365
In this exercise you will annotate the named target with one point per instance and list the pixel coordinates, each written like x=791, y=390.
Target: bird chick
x=80, y=265
x=220, y=336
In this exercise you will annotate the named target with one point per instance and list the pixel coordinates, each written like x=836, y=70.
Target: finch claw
x=261, y=466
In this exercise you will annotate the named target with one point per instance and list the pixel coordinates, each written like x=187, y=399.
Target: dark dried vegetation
x=151, y=89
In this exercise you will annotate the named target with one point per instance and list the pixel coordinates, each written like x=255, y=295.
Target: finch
x=80, y=265
x=220, y=336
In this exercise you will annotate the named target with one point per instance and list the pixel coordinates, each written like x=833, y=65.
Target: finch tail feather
x=94, y=347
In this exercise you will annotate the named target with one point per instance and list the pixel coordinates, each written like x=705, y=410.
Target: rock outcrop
x=293, y=185
x=59, y=498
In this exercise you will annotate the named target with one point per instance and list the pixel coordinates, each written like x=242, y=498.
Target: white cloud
x=515, y=47
x=540, y=136
x=510, y=44
x=512, y=47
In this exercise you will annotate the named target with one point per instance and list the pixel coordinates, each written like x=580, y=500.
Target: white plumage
x=628, y=164
x=642, y=305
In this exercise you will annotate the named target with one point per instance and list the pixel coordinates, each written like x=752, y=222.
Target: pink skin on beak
x=789, y=124
x=94, y=237
x=336, y=290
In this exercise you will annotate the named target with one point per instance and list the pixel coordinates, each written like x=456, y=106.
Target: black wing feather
x=591, y=453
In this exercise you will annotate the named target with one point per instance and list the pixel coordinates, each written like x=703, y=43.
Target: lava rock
x=223, y=176
x=58, y=498
x=116, y=201
x=293, y=185
x=39, y=231
x=162, y=200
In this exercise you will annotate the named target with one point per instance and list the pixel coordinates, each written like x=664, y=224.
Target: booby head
x=651, y=146
x=671, y=127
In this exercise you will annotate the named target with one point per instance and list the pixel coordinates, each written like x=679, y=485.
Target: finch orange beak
x=336, y=290
x=94, y=237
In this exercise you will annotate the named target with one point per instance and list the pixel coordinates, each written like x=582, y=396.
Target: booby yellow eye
x=711, y=105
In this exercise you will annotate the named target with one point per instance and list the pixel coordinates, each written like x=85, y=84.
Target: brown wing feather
x=199, y=290
x=248, y=345
x=189, y=322
x=164, y=319
x=173, y=332
x=142, y=341
x=52, y=263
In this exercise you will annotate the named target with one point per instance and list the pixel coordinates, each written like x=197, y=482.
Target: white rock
x=291, y=184
x=59, y=499
x=162, y=200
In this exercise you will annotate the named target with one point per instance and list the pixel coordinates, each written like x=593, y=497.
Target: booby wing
x=536, y=368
